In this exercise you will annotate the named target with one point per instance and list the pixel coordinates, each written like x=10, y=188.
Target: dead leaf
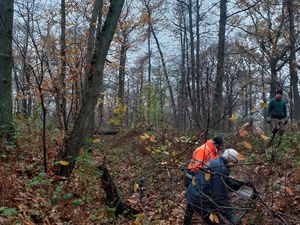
x=194, y=181
x=243, y=133
x=289, y=191
x=96, y=141
x=152, y=139
x=207, y=176
x=263, y=105
x=240, y=157
x=265, y=138
x=214, y=218
x=64, y=163
x=254, y=109
x=233, y=118
x=136, y=187
x=138, y=220
x=247, y=145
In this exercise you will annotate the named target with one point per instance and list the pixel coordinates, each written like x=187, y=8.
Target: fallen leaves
x=247, y=145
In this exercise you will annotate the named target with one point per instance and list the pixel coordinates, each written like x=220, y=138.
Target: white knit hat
x=232, y=155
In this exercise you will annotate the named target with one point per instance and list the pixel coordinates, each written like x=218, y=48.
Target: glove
x=268, y=119
x=234, y=219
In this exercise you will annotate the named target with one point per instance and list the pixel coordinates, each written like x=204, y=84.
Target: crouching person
x=208, y=193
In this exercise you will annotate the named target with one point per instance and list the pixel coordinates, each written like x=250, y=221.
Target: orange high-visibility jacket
x=202, y=155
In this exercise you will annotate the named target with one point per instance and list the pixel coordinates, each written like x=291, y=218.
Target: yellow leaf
x=214, y=218
x=64, y=163
x=143, y=137
x=173, y=154
x=138, y=220
x=263, y=105
x=207, y=176
x=96, y=141
x=265, y=138
x=247, y=145
x=243, y=133
x=194, y=181
x=146, y=136
x=233, y=118
x=136, y=187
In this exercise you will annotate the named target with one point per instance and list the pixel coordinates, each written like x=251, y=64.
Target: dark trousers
x=190, y=210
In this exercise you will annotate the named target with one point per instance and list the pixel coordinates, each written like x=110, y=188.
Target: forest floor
x=148, y=170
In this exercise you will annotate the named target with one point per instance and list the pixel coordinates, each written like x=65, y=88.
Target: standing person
x=277, y=112
x=206, y=152
x=209, y=194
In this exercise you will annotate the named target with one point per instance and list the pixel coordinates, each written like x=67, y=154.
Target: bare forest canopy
x=102, y=104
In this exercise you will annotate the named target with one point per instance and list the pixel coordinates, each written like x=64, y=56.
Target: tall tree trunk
x=192, y=90
x=181, y=118
x=61, y=98
x=92, y=87
x=273, y=84
x=149, y=67
x=293, y=64
x=6, y=25
x=198, y=71
x=96, y=16
x=123, y=57
x=217, y=101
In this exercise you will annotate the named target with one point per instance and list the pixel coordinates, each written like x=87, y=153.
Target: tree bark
x=61, y=98
x=6, y=25
x=217, y=101
x=91, y=90
x=192, y=89
x=123, y=57
x=292, y=62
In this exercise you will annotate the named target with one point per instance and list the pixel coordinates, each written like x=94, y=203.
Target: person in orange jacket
x=206, y=152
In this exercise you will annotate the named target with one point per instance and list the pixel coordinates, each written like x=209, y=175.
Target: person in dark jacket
x=277, y=112
x=208, y=193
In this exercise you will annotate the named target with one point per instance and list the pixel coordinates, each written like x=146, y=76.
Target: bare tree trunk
x=198, y=70
x=6, y=25
x=181, y=117
x=273, y=84
x=96, y=15
x=92, y=87
x=217, y=101
x=192, y=90
x=292, y=62
x=149, y=67
x=61, y=98
x=123, y=57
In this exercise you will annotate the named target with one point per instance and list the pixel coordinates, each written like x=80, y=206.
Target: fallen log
x=107, y=132
x=112, y=197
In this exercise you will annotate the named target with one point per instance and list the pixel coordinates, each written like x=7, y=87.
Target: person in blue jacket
x=208, y=193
